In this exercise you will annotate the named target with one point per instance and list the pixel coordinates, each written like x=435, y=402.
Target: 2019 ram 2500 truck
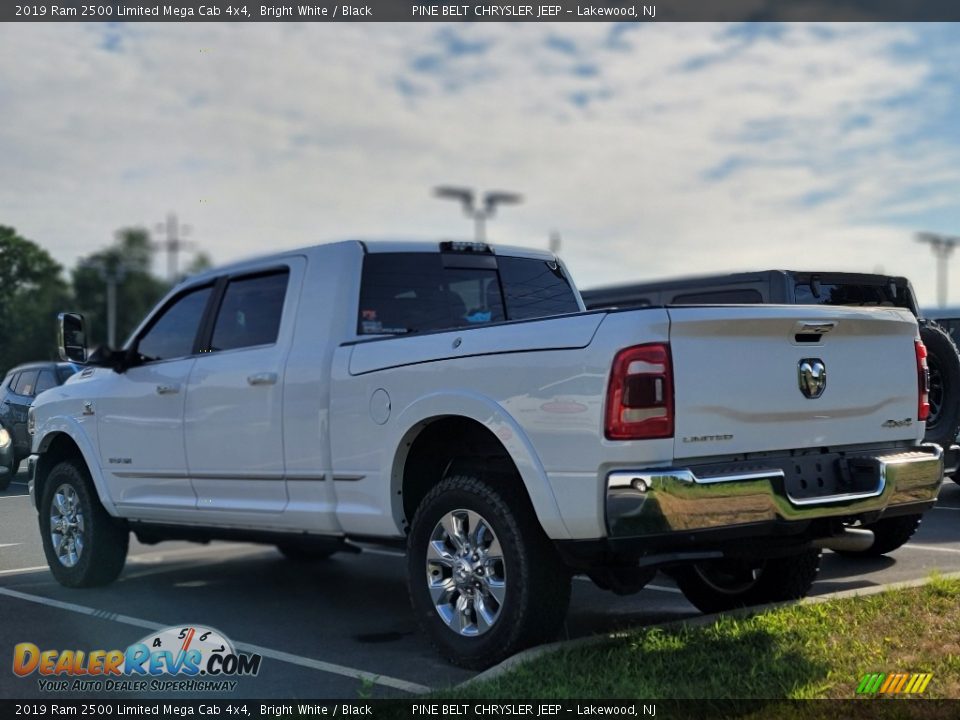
x=459, y=399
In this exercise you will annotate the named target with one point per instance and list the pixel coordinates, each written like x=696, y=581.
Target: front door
x=140, y=415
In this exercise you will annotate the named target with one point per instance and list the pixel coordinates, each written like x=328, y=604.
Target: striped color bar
x=893, y=683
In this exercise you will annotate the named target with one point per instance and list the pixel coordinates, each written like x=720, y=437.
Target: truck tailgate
x=748, y=378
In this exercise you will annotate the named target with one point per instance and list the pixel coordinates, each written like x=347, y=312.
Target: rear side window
x=535, y=288
x=742, y=296
x=26, y=383
x=250, y=312
x=46, y=381
x=10, y=381
x=416, y=292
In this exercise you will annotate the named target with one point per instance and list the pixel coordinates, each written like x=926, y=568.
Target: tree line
x=34, y=288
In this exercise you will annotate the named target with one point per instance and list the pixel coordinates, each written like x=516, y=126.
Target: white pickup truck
x=459, y=399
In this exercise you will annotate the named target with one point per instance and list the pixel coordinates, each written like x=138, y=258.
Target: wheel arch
x=441, y=430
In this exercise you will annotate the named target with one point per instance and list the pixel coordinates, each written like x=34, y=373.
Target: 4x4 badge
x=812, y=377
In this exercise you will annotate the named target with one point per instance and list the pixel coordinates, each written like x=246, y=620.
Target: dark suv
x=17, y=391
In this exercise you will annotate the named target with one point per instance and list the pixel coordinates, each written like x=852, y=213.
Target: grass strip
x=820, y=650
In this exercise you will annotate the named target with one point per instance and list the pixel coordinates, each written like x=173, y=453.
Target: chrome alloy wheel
x=466, y=574
x=66, y=525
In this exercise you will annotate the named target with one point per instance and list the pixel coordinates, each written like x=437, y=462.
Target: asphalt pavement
x=341, y=628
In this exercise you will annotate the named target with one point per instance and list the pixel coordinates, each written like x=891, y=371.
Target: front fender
x=75, y=430
x=494, y=417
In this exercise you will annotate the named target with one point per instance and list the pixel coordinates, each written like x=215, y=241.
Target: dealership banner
x=460, y=11
x=427, y=708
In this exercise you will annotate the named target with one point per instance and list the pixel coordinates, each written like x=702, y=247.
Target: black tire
x=104, y=539
x=314, y=552
x=535, y=587
x=719, y=585
x=943, y=362
x=889, y=535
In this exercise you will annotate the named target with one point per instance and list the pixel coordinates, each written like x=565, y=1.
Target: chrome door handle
x=167, y=389
x=267, y=378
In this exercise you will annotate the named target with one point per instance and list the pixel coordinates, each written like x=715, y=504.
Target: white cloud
x=679, y=148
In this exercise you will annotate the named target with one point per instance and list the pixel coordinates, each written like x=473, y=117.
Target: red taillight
x=640, y=394
x=923, y=381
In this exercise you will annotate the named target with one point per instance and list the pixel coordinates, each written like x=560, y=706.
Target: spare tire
x=944, y=363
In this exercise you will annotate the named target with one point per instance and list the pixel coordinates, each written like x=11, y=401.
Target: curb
x=525, y=656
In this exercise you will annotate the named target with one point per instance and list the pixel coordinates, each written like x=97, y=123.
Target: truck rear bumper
x=661, y=501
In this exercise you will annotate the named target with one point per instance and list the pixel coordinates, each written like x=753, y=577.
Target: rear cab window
x=403, y=293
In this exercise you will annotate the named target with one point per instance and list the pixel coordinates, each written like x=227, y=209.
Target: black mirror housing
x=72, y=337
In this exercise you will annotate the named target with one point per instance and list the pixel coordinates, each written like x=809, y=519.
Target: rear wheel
x=718, y=585
x=889, y=534
x=484, y=580
x=84, y=546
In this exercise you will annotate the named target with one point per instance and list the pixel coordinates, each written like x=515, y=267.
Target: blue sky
x=652, y=149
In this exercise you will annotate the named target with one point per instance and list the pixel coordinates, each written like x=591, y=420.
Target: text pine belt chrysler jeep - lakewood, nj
x=460, y=399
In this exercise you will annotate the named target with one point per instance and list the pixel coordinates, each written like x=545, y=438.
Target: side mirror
x=71, y=337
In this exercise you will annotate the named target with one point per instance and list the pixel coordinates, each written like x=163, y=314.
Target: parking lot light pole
x=942, y=246
x=479, y=213
x=112, y=275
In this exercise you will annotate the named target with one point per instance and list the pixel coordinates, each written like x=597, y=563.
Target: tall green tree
x=32, y=291
x=129, y=260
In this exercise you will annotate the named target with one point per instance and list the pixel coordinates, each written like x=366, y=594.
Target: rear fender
x=488, y=413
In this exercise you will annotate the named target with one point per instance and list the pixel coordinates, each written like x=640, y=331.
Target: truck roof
x=369, y=246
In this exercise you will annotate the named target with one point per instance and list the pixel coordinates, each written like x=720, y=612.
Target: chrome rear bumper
x=665, y=500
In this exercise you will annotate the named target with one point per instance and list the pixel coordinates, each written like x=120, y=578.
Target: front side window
x=173, y=333
x=46, y=381
x=250, y=312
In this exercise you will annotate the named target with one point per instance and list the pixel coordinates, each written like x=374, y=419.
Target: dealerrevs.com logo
x=176, y=659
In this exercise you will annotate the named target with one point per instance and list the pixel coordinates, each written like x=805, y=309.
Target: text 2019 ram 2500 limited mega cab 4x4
x=459, y=399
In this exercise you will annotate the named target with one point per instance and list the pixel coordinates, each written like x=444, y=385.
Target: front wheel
x=84, y=546
x=484, y=580
x=719, y=585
